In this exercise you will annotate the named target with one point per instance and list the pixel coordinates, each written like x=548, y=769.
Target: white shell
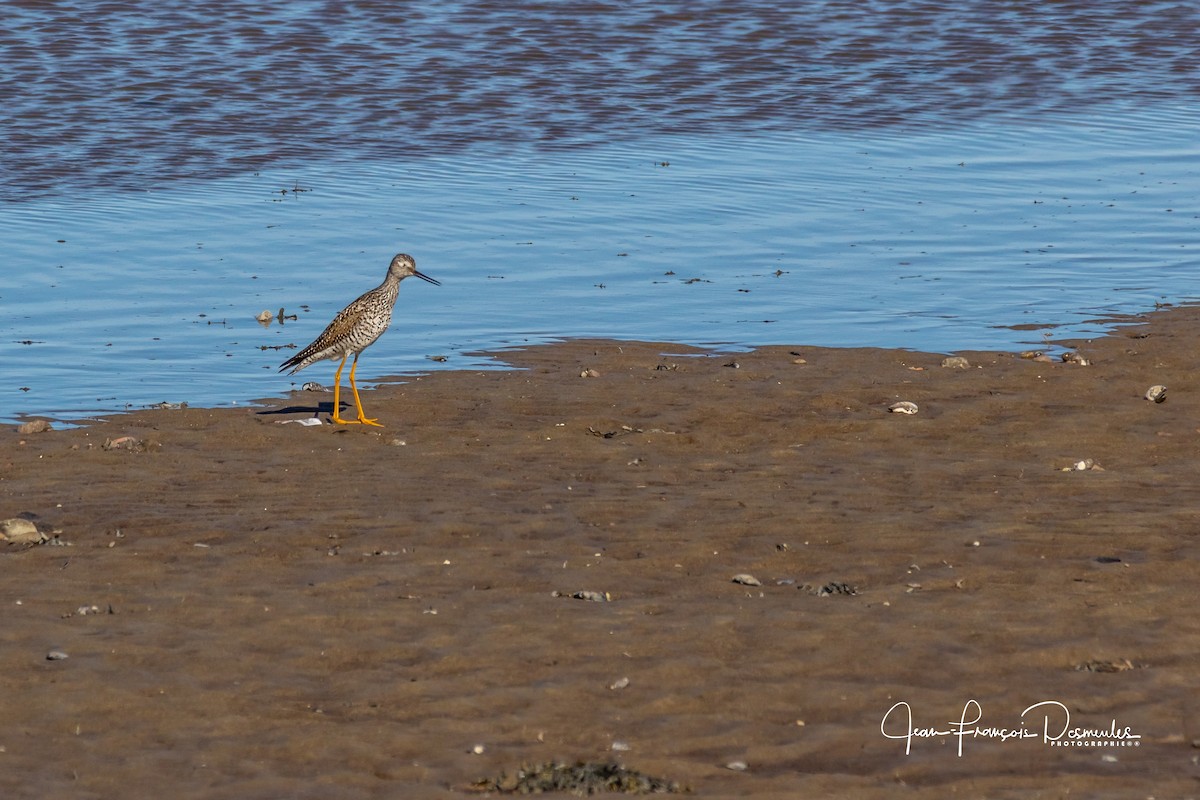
x=1157, y=393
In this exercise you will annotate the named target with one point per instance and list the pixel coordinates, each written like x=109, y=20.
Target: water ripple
x=126, y=94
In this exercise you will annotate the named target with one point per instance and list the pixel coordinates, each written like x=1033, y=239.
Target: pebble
x=620, y=683
x=19, y=531
x=737, y=766
x=1157, y=393
x=34, y=426
x=56, y=655
x=956, y=362
x=746, y=580
x=903, y=407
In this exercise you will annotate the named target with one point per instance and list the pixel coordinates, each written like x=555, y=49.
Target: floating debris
x=265, y=317
x=581, y=779
x=956, y=362
x=130, y=443
x=1157, y=393
x=625, y=429
x=746, y=580
x=34, y=426
x=903, y=407
x=439, y=359
x=1095, y=665
x=595, y=597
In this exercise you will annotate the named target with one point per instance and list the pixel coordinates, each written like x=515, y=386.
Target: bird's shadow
x=318, y=409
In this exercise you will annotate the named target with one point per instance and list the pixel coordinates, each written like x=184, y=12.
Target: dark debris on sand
x=581, y=779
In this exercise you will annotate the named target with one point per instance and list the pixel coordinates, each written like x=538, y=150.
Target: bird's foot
x=366, y=421
x=341, y=421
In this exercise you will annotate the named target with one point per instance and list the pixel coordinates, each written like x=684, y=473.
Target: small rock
x=34, y=426
x=903, y=407
x=956, y=362
x=737, y=766
x=589, y=373
x=56, y=655
x=746, y=580
x=1157, y=393
x=20, y=531
x=620, y=683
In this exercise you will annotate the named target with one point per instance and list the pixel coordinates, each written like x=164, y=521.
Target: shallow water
x=867, y=174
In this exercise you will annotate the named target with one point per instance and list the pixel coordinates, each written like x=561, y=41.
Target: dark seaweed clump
x=581, y=779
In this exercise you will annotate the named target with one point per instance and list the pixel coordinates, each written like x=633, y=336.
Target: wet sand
x=313, y=612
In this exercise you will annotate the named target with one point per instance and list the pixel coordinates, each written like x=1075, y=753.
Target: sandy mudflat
x=318, y=612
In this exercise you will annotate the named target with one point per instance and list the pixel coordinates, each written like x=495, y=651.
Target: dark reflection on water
x=122, y=94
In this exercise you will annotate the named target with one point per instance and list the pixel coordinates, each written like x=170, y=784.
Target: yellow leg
x=362, y=415
x=337, y=393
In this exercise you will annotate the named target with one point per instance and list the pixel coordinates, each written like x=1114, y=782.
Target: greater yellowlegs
x=354, y=329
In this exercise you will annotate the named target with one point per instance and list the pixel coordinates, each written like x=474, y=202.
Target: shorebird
x=354, y=329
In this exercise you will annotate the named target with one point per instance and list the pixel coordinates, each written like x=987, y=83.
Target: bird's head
x=403, y=265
